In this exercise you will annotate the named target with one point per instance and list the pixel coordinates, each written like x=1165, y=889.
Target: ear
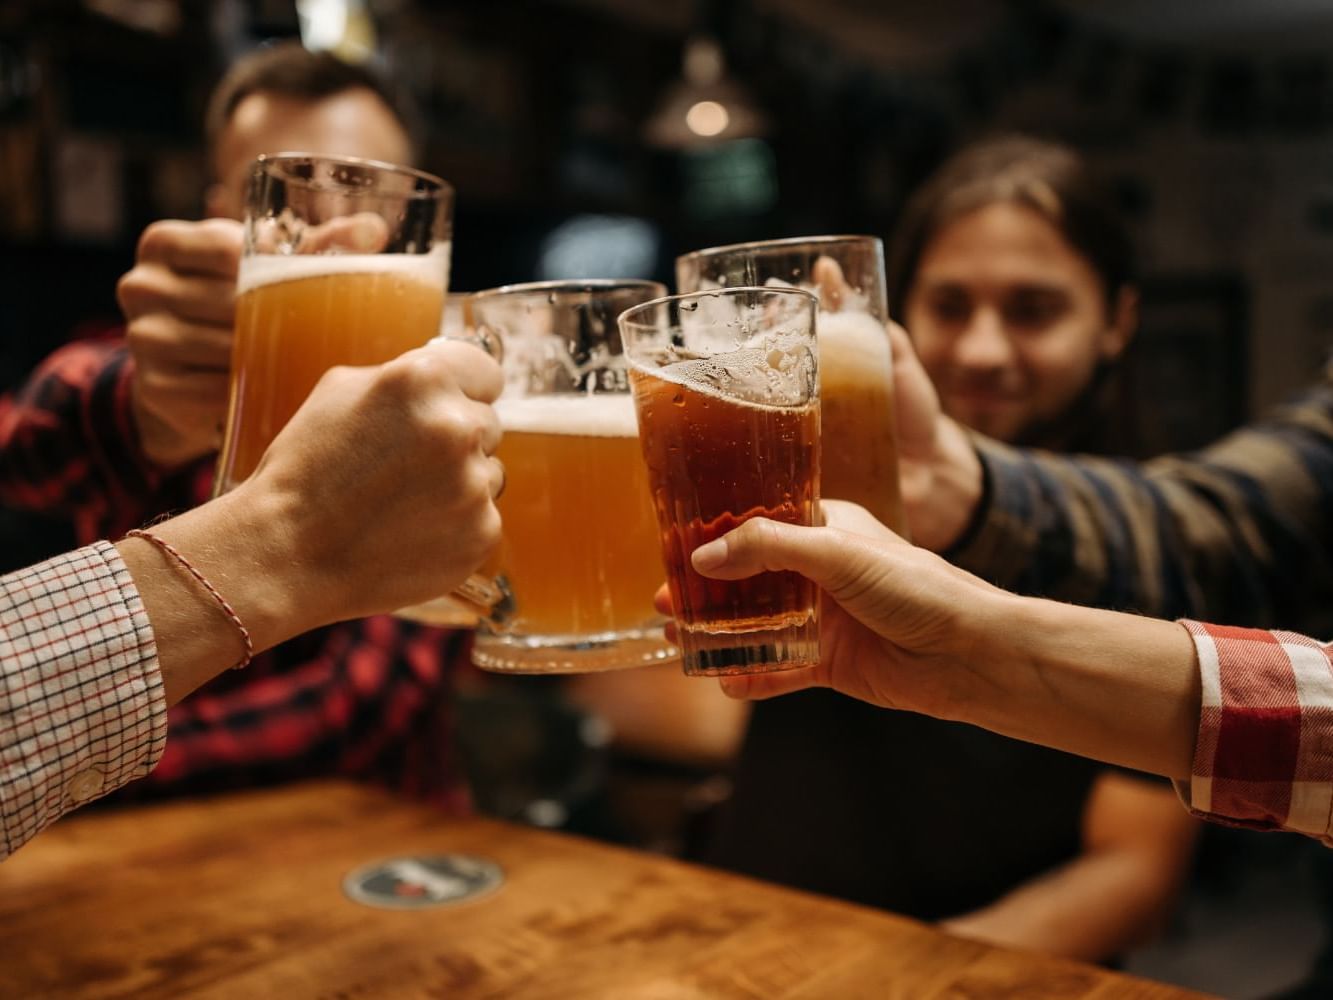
x=1124, y=322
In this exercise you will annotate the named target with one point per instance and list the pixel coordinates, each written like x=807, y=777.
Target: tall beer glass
x=346, y=262
x=726, y=386
x=855, y=363
x=579, y=558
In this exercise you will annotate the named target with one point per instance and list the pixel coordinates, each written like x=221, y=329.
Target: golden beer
x=860, y=440
x=299, y=316
x=580, y=553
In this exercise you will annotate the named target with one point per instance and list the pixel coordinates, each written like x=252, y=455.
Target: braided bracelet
x=227, y=609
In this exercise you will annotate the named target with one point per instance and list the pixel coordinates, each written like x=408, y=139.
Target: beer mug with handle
x=345, y=262
x=846, y=273
x=579, y=561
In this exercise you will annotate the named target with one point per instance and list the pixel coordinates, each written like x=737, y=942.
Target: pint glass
x=726, y=387
x=346, y=262
x=579, y=558
x=860, y=449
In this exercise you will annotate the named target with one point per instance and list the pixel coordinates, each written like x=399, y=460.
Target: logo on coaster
x=417, y=883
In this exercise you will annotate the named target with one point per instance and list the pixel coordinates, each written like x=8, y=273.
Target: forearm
x=237, y=546
x=1110, y=686
x=1091, y=909
x=1237, y=533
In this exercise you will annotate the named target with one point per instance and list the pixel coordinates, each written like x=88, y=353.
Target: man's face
x=1009, y=320
x=354, y=122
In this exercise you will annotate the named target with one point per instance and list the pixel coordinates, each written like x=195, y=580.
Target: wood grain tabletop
x=242, y=897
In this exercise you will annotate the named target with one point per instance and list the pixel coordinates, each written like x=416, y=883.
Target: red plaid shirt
x=366, y=699
x=1264, y=756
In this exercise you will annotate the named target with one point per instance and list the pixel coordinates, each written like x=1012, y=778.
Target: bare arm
x=95, y=644
x=904, y=629
x=1137, y=845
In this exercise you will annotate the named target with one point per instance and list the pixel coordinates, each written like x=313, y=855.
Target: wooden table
x=241, y=897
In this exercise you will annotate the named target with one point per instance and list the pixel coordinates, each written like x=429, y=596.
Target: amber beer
x=860, y=447
x=580, y=549
x=299, y=316
x=860, y=443
x=714, y=462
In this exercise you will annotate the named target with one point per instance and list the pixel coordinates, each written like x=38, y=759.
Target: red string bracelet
x=230, y=612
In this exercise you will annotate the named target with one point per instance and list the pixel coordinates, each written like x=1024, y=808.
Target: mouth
x=978, y=398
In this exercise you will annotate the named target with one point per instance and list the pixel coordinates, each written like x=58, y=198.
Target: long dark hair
x=1047, y=177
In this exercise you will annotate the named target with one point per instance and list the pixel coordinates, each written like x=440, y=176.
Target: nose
x=983, y=345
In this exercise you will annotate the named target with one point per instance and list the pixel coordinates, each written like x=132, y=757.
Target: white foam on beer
x=740, y=378
x=608, y=414
x=850, y=337
x=268, y=269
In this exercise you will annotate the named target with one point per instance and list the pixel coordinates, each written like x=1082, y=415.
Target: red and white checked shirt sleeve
x=1264, y=757
x=82, y=709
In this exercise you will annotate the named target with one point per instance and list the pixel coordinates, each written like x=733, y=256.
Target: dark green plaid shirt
x=1240, y=532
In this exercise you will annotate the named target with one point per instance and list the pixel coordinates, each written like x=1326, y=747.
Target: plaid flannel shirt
x=366, y=699
x=1240, y=532
x=1264, y=756
x=81, y=704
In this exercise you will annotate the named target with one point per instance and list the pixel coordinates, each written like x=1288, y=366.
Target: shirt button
x=86, y=785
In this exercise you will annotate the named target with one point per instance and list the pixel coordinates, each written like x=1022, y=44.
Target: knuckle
x=157, y=237
x=131, y=289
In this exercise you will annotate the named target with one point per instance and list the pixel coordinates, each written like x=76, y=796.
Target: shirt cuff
x=1263, y=758
x=82, y=705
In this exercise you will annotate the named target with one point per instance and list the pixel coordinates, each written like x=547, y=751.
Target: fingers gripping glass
x=484, y=594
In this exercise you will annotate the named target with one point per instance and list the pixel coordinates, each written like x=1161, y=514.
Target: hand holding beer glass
x=345, y=262
x=860, y=456
x=726, y=386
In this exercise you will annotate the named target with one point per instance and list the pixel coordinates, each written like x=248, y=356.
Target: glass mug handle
x=484, y=595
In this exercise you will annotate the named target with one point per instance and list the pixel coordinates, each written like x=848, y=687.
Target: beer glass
x=579, y=560
x=345, y=262
x=855, y=361
x=726, y=387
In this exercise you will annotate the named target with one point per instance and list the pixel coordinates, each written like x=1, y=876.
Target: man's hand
x=938, y=467
x=179, y=302
x=379, y=492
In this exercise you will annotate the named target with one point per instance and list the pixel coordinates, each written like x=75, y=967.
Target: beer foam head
x=608, y=414
x=768, y=376
x=267, y=269
x=851, y=333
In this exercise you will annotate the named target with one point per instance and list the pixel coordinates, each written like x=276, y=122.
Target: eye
x=949, y=305
x=1034, y=309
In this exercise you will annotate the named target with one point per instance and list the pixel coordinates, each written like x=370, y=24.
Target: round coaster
x=418, y=882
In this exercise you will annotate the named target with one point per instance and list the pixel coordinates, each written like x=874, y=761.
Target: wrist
x=1115, y=687
x=956, y=483
x=244, y=544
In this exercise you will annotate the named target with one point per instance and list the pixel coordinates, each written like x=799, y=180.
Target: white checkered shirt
x=82, y=709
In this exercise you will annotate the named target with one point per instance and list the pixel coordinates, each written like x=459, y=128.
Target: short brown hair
x=1047, y=177
x=288, y=69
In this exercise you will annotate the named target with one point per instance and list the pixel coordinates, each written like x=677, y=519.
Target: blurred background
x=603, y=137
